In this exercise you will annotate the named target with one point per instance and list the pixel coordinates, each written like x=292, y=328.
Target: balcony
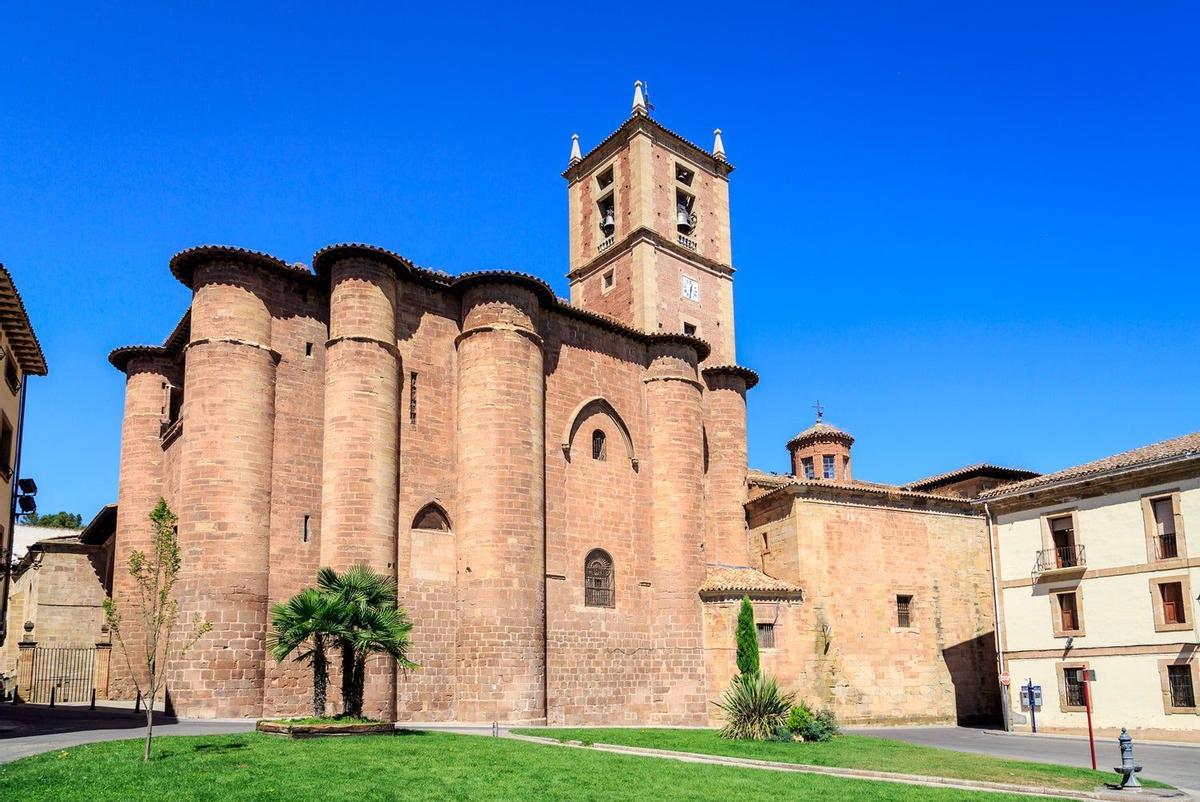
x=1059, y=561
x=1165, y=547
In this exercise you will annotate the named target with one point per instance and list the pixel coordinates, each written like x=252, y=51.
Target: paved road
x=32, y=729
x=1177, y=765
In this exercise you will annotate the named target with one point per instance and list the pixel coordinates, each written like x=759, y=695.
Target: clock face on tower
x=691, y=289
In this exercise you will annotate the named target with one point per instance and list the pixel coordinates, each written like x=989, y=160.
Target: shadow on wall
x=972, y=666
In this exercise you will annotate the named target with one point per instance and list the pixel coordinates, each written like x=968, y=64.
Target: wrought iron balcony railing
x=1165, y=547
x=1059, y=558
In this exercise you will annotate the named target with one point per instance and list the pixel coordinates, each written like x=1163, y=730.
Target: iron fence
x=66, y=673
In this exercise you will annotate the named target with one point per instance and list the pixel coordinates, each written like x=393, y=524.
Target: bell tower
x=649, y=220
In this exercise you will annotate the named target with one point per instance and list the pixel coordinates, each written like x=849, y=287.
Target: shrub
x=812, y=727
x=754, y=707
x=747, y=639
x=800, y=719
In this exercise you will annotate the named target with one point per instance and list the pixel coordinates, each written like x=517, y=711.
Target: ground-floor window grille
x=1182, y=692
x=1073, y=683
x=766, y=635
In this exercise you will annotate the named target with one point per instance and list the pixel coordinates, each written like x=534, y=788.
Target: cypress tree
x=747, y=639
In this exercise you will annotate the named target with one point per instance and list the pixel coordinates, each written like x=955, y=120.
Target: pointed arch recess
x=584, y=411
x=432, y=517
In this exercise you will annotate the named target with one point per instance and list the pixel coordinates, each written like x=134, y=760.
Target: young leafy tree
x=373, y=624
x=747, y=639
x=154, y=577
x=310, y=621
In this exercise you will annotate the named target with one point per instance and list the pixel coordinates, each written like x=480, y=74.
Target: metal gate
x=69, y=672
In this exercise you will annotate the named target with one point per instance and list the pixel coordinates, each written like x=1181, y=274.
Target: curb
x=1062, y=736
x=863, y=774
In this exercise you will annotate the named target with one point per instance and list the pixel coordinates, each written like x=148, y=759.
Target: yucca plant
x=754, y=707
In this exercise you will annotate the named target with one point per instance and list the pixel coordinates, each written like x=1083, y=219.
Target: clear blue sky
x=972, y=232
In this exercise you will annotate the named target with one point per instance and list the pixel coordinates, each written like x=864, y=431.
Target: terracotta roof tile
x=731, y=579
x=978, y=468
x=1176, y=448
x=15, y=320
x=822, y=429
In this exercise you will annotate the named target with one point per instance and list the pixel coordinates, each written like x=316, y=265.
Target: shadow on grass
x=412, y=733
x=220, y=747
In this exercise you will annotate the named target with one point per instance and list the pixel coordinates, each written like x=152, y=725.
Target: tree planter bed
x=294, y=730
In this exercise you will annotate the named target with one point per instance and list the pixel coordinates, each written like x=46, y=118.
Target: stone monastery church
x=560, y=487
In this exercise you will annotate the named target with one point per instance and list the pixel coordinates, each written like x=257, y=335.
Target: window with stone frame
x=766, y=635
x=806, y=464
x=1171, y=600
x=1173, y=604
x=1074, y=693
x=1180, y=688
x=828, y=466
x=1166, y=544
x=1068, y=611
x=598, y=588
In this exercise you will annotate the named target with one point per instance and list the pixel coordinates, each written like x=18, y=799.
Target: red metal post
x=1087, y=701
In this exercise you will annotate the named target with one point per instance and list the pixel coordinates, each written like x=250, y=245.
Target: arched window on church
x=432, y=517
x=599, y=450
x=598, y=580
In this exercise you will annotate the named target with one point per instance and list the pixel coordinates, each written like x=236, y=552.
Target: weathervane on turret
x=820, y=411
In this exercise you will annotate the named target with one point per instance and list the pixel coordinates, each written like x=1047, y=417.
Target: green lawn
x=847, y=751
x=411, y=767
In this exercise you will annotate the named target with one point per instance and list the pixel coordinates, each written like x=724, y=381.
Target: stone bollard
x=1128, y=769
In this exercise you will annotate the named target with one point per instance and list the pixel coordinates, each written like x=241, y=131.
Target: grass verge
x=848, y=752
x=412, y=766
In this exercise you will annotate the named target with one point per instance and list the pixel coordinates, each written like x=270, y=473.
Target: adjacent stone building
x=559, y=487
x=20, y=357
x=1097, y=572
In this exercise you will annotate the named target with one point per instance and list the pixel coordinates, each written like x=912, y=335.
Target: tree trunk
x=347, y=677
x=320, y=678
x=359, y=683
x=149, y=730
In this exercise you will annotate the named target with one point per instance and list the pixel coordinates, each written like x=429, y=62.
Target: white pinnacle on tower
x=575, y=155
x=718, y=145
x=639, y=101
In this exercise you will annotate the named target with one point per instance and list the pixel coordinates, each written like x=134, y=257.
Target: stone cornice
x=660, y=134
x=644, y=234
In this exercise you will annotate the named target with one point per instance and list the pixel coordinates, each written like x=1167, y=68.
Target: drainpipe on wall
x=987, y=513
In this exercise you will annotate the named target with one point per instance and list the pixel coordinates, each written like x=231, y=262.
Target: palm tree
x=373, y=624
x=310, y=621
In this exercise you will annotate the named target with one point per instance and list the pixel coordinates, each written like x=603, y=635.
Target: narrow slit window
x=904, y=611
x=308, y=350
x=306, y=532
x=412, y=399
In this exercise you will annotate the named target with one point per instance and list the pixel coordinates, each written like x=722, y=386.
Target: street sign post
x=1089, y=676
